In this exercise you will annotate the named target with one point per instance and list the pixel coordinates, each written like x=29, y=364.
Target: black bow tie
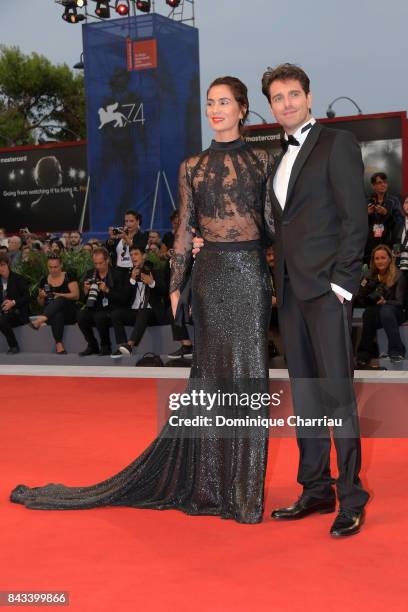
x=290, y=140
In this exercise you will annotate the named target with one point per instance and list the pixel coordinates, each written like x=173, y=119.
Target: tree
x=35, y=94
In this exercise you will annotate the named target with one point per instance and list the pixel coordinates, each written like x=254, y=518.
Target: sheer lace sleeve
x=268, y=214
x=267, y=160
x=183, y=239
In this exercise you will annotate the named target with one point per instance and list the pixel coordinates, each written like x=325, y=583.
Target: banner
x=43, y=188
x=143, y=115
x=382, y=140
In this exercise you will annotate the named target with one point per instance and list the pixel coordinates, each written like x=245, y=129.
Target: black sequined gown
x=223, y=193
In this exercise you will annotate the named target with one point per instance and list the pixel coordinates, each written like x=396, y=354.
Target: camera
x=400, y=251
x=117, y=230
x=403, y=261
x=93, y=292
x=377, y=294
x=49, y=294
x=146, y=269
x=4, y=300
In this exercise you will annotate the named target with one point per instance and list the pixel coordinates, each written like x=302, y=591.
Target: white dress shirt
x=140, y=293
x=281, y=182
x=404, y=231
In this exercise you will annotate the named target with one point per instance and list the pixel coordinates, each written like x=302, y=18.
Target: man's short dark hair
x=4, y=258
x=284, y=72
x=377, y=175
x=136, y=248
x=4, y=248
x=101, y=251
x=134, y=214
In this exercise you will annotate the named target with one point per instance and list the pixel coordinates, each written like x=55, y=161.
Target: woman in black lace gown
x=222, y=193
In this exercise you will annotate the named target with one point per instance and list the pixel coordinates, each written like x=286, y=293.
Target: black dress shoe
x=303, y=507
x=105, y=351
x=90, y=350
x=347, y=523
x=13, y=350
x=365, y=365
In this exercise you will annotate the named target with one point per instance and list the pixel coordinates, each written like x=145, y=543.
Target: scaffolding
x=184, y=12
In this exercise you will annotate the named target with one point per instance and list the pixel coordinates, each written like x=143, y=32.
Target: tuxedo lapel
x=300, y=161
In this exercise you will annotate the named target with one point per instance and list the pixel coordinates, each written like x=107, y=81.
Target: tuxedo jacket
x=156, y=296
x=398, y=232
x=117, y=296
x=17, y=289
x=321, y=232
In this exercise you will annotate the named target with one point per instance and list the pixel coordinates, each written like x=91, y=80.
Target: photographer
x=147, y=291
x=168, y=238
x=58, y=294
x=56, y=246
x=122, y=238
x=74, y=241
x=14, y=300
x=14, y=247
x=382, y=293
x=104, y=290
x=384, y=215
x=400, y=236
x=3, y=238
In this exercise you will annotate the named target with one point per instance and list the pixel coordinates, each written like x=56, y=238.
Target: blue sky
x=356, y=48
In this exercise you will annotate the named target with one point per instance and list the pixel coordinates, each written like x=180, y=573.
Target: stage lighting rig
x=81, y=3
x=143, y=5
x=102, y=9
x=71, y=14
x=173, y=3
x=122, y=7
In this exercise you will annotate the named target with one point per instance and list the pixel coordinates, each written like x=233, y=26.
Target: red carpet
x=79, y=431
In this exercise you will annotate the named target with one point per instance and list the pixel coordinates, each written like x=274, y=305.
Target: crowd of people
x=383, y=291
x=98, y=285
x=125, y=282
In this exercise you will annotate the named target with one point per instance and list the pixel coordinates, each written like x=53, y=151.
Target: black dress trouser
x=140, y=319
x=7, y=322
x=88, y=318
x=316, y=337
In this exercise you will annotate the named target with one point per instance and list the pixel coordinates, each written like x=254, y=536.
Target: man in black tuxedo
x=147, y=292
x=14, y=302
x=320, y=215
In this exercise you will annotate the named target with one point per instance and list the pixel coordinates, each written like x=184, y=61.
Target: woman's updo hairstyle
x=240, y=93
